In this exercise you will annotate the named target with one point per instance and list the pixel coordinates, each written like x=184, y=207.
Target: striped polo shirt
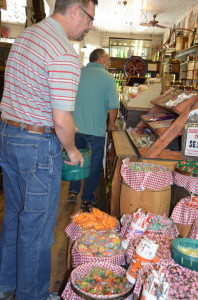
x=42, y=73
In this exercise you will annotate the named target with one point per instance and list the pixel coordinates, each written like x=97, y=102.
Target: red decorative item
x=5, y=31
x=135, y=66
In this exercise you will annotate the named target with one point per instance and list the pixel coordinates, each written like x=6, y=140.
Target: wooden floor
x=60, y=258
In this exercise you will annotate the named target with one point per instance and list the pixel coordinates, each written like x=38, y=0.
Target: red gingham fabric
x=176, y=285
x=81, y=270
x=184, y=214
x=194, y=230
x=79, y=258
x=190, y=183
x=125, y=222
x=73, y=231
x=140, y=180
x=68, y=293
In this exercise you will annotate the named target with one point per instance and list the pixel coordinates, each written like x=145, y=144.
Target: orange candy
x=96, y=219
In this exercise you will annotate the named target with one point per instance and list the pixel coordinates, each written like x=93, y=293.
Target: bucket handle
x=89, y=146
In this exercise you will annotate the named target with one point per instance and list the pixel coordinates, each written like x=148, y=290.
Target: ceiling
x=114, y=17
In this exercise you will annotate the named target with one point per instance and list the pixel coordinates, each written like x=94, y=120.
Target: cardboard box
x=190, y=74
x=191, y=65
x=195, y=77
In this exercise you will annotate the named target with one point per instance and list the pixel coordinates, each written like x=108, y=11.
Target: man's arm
x=65, y=130
x=113, y=113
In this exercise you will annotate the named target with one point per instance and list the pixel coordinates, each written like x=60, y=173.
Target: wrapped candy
x=101, y=281
x=188, y=251
x=155, y=287
x=160, y=223
x=93, y=244
x=138, y=225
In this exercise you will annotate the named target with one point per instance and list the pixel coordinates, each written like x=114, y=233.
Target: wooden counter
x=118, y=148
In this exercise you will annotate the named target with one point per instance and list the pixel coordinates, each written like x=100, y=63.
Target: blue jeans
x=97, y=147
x=31, y=166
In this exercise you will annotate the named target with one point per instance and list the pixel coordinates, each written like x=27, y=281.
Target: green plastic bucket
x=182, y=259
x=74, y=173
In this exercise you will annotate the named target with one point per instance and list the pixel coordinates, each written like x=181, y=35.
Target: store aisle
x=60, y=257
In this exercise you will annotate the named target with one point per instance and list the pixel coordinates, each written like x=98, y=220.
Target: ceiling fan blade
x=160, y=26
x=145, y=24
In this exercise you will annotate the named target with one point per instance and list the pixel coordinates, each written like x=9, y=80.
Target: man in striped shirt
x=41, y=81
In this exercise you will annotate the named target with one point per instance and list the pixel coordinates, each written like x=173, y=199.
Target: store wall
x=156, y=39
x=189, y=21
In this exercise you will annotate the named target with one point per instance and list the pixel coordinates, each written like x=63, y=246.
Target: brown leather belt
x=30, y=128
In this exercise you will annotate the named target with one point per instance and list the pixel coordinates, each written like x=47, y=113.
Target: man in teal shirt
x=97, y=98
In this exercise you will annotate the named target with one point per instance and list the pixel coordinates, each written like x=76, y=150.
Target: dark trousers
x=97, y=147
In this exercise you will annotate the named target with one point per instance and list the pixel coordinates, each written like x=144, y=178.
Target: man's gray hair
x=94, y=55
x=61, y=6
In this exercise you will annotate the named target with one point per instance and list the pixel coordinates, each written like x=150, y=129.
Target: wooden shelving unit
x=189, y=66
x=165, y=135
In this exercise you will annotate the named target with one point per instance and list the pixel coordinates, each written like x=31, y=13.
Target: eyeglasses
x=91, y=18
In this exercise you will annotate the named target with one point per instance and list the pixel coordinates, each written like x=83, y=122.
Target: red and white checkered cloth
x=138, y=180
x=176, y=285
x=68, y=293
x=184, y=214
x=190, y=183
x=194, y=230
x=73, y=231
x=78, y=258
x=125, y=222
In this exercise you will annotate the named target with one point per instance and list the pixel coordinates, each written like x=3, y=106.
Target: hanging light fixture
x=123, y=2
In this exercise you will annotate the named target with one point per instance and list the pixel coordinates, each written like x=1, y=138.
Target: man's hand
x=112, y=127
x=75, y=157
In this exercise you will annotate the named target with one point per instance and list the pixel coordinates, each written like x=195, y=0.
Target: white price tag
x=192, y=142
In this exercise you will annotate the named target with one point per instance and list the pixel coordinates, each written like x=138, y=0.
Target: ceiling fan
x=153, y=23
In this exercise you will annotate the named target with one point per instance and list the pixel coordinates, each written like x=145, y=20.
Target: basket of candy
x=185, y=252
x=94, y=246
x=93, y=220
x=188, y=168
x=100, y=280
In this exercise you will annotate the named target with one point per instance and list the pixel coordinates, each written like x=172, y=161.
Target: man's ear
x=74, y=11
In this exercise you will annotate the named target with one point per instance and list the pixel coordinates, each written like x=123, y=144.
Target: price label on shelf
x=192, y=142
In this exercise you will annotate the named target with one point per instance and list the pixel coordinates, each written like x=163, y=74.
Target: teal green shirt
x=97, y=94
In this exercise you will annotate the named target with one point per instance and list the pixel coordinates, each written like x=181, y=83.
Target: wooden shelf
x=191, y=50
x=159, y=149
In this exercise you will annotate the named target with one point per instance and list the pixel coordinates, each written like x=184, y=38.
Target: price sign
x=192, y=142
